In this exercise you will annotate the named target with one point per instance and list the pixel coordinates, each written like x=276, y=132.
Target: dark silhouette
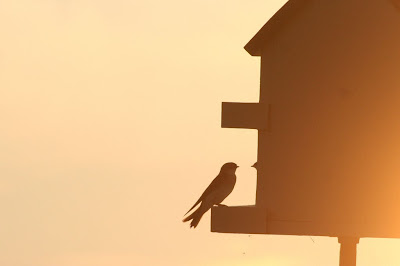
x=327, y=121
x=215, y=193
x=396, y=3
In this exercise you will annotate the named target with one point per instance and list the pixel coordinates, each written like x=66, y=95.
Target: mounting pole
x=348, y=250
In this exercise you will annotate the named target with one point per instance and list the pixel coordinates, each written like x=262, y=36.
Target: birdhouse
x=328, y=122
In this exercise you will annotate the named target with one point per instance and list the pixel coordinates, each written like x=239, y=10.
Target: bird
x=215, y=193
x=255, y=165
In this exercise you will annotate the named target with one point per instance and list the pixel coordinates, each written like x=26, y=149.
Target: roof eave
x=285, y=13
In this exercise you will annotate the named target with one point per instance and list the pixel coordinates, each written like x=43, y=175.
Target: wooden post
x=348, y=251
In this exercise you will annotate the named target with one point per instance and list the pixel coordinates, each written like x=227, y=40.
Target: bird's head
x=254, y=165
x=229, y=168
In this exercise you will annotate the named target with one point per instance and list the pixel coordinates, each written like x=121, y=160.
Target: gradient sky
x=110, y=131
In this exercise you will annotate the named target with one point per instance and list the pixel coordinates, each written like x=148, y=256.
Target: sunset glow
x=111, y=128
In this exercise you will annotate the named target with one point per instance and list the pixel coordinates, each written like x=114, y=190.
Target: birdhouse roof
x=286, y=14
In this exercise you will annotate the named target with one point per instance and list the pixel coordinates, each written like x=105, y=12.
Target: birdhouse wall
x=331, y=76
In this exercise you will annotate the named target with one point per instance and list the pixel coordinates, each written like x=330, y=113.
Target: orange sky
x=110, y=130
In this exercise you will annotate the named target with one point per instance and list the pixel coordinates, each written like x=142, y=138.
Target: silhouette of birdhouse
x=328, y=122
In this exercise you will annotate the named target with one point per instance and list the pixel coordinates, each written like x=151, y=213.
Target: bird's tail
x=195, y=217
x=190, y=217
x=197, y=202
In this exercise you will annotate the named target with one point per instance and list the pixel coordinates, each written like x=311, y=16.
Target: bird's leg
x=221, y=205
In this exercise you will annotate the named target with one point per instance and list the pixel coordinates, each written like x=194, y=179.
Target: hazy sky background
x=110, y=131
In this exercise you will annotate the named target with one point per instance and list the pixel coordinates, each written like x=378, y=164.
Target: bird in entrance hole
x=215, y=193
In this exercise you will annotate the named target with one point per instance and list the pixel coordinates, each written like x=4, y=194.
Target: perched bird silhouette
x=255, y=165
x=215, y=193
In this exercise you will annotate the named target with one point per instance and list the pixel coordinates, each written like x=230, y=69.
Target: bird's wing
x=197, y=202
x=215, y=184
